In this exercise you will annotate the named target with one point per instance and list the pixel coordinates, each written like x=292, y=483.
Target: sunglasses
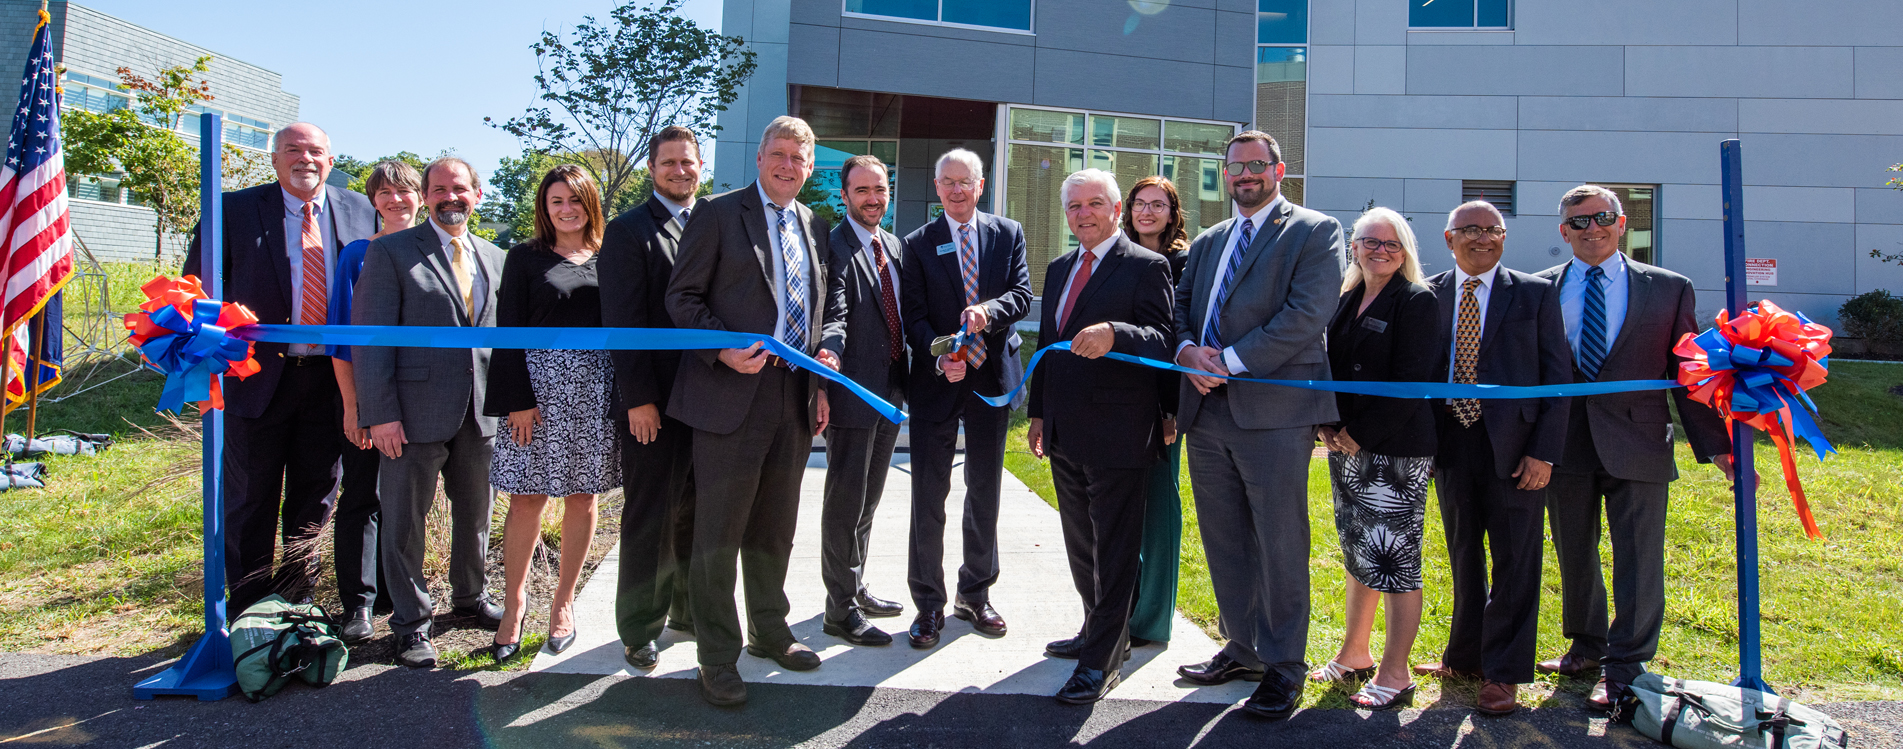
x=1235, y=168
x=1602, y=218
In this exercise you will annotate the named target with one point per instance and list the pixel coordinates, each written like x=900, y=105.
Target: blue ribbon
x=196, y=350
x=1384, y=389
x=586, y=339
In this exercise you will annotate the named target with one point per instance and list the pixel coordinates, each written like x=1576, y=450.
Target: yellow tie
x=459, y=264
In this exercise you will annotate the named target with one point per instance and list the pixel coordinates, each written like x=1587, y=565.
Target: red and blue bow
x=1754, y=369
x=183, y=334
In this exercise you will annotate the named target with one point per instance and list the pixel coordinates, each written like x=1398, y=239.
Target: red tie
x=1076, y=288
x=316, y=294
x=889, y=301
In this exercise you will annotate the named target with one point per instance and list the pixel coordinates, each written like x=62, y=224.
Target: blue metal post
x=1744, y=489
x=206, y=670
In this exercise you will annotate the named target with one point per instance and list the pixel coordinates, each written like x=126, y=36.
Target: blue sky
x=389, y=75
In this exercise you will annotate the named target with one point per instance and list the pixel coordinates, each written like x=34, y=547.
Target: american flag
x=34, y=223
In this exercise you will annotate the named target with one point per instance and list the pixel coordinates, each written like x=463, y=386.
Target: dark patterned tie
x=1592, y=325
x=1467, y=352
x=889, y=301
x=1212, y=328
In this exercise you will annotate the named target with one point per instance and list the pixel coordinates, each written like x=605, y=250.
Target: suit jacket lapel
x=665, y=224
x=490, y=277
x=1263, y=240
x=1113, y=260
x=1498, y=300
x=271, y=217
x=1207, y=267
x=1447, y=293
x=1638, y=290
x=1379, y=309
x=754, y=218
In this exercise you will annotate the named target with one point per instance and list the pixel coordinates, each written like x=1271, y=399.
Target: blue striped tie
x=1592, y=327
x=795, y=283
x=1212, y=328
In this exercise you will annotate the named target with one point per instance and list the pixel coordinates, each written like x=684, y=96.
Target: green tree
x=359, y=171
x=143, y=143
x=614, y=83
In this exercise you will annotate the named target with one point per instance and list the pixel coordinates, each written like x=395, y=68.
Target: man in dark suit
x=1100, y=420
x=1254, y=300
x=752, y=260
x=284, y=424
x=1495, y=456
x=963, y=272
x=859, y=441
x=1622, y=318
x=657, y=452
x=423, y=406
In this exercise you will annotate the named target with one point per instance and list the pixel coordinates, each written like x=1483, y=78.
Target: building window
x=95, y=94
x=1043, y=146
x=92, y=93
x=1460, y=14
x=1010, y=15
x=822, y=190
x=104, y=189
x=1281, y=85
x=1495, y=191
x=1640, y=203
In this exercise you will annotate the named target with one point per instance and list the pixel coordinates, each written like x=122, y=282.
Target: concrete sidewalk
x=1034, y=594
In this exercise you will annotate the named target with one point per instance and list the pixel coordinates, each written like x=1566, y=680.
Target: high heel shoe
x=505, y=652
x=558, y=644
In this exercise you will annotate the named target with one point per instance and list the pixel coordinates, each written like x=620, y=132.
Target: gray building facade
x=1410, y=104
x=92, y=46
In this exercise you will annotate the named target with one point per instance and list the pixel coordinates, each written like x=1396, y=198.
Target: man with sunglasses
x=1623, y=318
x=1254, y=301
x=1495, y=456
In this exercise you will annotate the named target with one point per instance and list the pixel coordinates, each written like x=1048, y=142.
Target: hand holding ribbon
x=1754, y=368
x=183, y=334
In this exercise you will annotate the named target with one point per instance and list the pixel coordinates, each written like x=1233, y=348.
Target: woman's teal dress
x=1161, y=551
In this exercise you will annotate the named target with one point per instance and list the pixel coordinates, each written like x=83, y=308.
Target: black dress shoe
x=793, y=657
x=1088, y=685
x=925, y=628
x=357, y=629
x=1066, y=649
x=1276, y=698
x=982, y=617
x=644, y=657
x=876, y=607
x=1137, y=642
x=721, y=685
x=414, y=650
x=505, y=652
x=487, y=613
x=856, y=630
x=558, y=644
x=1221, y=669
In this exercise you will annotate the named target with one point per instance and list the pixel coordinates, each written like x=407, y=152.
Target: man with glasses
x=1254, y=301
x=964, y=274
x=1495, y=456
x=1622, y=317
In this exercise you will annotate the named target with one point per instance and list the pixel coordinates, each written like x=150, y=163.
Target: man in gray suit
x=1254, y=301
x=752, y=260
x=423, y=406
x=1622, y=317
x=859, y=442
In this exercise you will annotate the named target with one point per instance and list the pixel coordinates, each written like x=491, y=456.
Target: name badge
x=1378, y=326
x=947, y=248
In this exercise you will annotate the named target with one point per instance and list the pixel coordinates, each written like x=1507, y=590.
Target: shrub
x=1875, y=316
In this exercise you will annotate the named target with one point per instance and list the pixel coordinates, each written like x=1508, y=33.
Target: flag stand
x=1744, y=489
x=206, y=671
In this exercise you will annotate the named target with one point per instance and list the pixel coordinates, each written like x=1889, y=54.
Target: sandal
x=1335, y=673
x=1376, y=697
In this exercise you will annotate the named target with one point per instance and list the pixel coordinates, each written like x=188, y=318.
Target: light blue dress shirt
x=1572, y=297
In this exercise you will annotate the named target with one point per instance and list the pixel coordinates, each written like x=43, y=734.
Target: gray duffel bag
x=1705, y=715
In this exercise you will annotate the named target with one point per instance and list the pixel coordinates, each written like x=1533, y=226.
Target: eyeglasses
x=1379, y=245
x=1157, y=206
x=959, y=184
x=1473, y=231
x=1602, y=218
x=1258, y=166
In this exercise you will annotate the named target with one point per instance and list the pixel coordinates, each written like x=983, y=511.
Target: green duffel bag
x=275, y=640
x=1705, y=715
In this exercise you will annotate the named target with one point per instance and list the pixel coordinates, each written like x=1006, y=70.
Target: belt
x=774, y=360
x=306, y=361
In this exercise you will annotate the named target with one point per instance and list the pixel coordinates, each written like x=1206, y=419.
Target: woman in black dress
x=559, y=439
x=1381, y=453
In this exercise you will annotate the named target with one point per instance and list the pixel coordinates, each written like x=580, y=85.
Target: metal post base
x=1753, y=682
x=205, y=672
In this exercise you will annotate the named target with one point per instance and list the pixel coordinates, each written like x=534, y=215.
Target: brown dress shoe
x=1498, y=699
x=982, y=617
x=1605, y=694
x=1569, y=665
x=1439, y=670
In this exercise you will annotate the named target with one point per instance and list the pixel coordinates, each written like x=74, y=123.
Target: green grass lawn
x=1830, y=608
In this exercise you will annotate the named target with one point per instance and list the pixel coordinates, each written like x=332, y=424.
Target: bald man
x=284, y=424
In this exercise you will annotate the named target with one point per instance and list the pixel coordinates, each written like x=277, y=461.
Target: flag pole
x=1744, y=489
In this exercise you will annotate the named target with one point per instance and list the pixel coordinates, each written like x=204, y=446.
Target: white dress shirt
x=1259, y=219
x=1482, y=293
x=294, y=248
x=779, y=265
x=865, y=248
x=1572, y=297
x=1096, y=264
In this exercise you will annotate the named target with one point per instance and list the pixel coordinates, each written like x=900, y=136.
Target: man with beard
x=1254, y=301
x=423, y=406
x=657, y=452
x=285, y=422
x=859, y=443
